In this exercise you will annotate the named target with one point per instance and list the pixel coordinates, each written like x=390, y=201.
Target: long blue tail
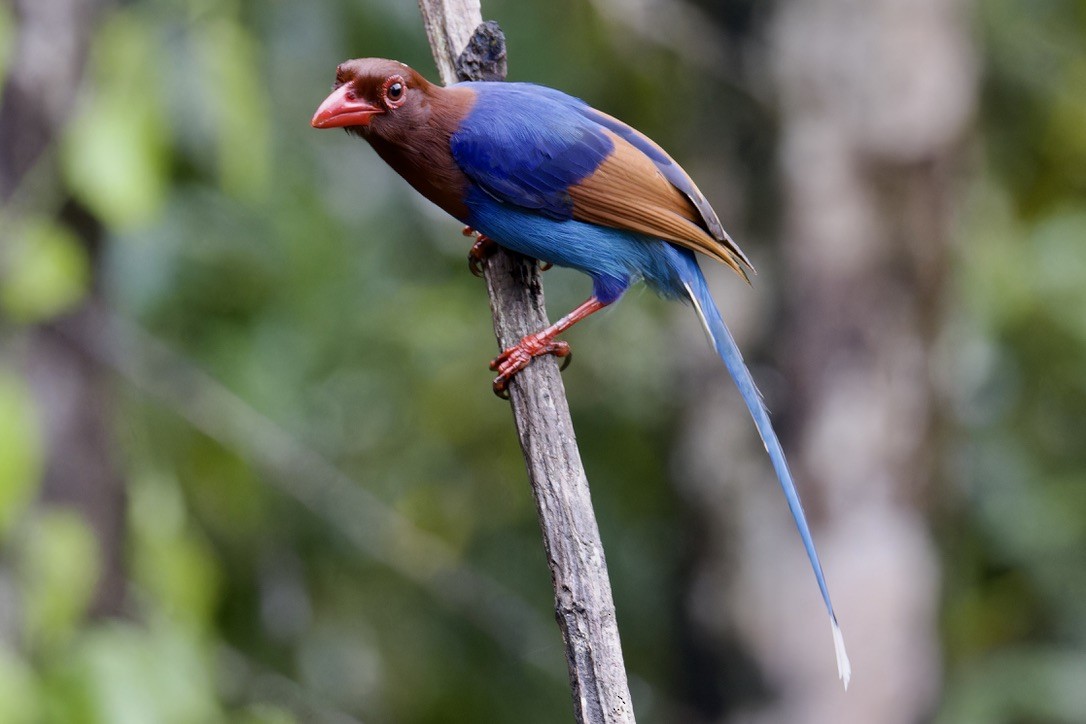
x=721, y=338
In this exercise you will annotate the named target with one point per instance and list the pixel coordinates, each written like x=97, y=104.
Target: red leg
x=517, y=357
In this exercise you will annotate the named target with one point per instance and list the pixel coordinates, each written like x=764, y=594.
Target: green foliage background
x=292, y=268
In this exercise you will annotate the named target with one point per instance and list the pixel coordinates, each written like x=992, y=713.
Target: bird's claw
x=517, y=357
x=483, y=248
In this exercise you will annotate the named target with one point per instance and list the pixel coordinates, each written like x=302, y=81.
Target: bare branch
x=449, y=25
x=584, y=606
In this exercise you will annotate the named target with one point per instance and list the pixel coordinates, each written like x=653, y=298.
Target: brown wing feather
x=627, y=191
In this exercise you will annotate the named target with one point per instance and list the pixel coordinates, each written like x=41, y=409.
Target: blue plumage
x=528, y=148
x=614, y=258
x=725, y=345
x=524, y=146
x=545, y=174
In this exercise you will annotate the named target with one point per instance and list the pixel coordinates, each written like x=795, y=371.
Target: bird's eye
x=395, y=89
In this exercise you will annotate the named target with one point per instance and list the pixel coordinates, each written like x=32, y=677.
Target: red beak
x=340, y=110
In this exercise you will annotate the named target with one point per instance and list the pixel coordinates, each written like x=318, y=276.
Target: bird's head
x=373, y=95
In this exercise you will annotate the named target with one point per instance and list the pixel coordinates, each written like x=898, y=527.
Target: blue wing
x=527, y=145
x=553, y=154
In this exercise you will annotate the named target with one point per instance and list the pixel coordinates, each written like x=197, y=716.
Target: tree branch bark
x=583, y=603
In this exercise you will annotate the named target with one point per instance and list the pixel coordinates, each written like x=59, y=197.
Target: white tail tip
x=844, y=668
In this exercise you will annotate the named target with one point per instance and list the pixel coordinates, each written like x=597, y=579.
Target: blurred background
x=251, y=469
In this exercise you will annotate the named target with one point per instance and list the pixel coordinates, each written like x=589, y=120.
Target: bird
x=540, y=172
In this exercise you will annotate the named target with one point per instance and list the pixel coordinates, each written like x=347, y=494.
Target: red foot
x=517, y=357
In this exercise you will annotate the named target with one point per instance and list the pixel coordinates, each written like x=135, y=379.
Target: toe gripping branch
x=484, y=248
x=517, y=357
x=513, y=360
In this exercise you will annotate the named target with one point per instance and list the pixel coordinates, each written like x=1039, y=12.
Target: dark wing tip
x=727, y=240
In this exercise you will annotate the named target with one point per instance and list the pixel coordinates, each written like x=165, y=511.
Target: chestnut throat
x=415, y=142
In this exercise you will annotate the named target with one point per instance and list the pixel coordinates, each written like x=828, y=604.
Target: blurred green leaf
x=239, y=108
x=19, y=691
x=20, y=450
x=1060, y=282
x=59, y=568
x=175, y=567
x=134, y=675
x=114, y=152
x=47, y=272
